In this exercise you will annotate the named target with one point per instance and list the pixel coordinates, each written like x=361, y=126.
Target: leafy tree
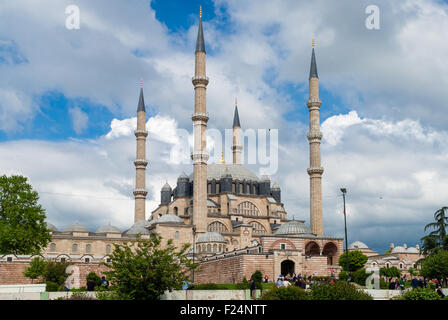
x=356, y=260
x=96, y=279
x=54, y=274
x=257, y=276
x=437, y=239
x=435, y=266
x=36, y=269
x=142, y=270
x=412, y=271
x=340, y=290
x=390, y=273
x=22, y=220
x=360, y=276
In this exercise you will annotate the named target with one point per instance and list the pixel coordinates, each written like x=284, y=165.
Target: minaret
x=314, y=136
x=236, y=147
x=200, y=118
x=140, y=163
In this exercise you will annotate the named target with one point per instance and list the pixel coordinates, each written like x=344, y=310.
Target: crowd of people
x=304, y=282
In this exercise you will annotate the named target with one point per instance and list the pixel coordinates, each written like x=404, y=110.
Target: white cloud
x=80, y=119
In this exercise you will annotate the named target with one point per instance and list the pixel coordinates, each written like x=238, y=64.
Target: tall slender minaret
x=236, y=147
x=314, y=136
x=200, y=118
x=140, y=162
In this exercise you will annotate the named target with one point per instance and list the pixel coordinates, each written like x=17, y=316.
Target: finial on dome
x=236, y=102
x=200, y=11
x=222, y=157
x=141, y=83
x=312, y=43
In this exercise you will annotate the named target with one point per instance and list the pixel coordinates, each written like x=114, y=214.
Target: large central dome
x=238, y=172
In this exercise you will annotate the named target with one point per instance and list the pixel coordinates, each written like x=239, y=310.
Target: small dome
x=139, y=227
x=169, y=218
x=166, y=187
x=398, y=249
x=293, y=227
x=76, y=227
x=108, y=229
x=265, y=178
x=183, y=176
x=412, y=250
x=275, y=186
x=358, y=245
x=51, y=227
x=211, y=237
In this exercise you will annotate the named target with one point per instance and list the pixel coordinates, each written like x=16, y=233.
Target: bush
x=96, y=279
x=52, y=286
x=285, y=293
x=206, y=286
x=360, y=276
x=340, y=290
x=79, y=296
x=421, y=294
x=257, y=276
x=55, y=272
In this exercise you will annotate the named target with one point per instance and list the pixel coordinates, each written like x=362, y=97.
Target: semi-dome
x=169, y=218
x=358, y=245
x=76, y=227
x=398, y=249
x=108, y=229
x=237, y=171
x=293, y=227
x=51, y=227
x=139, y=227
x=211, y=237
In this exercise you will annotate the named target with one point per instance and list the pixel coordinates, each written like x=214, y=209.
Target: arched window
x=209, y=188
x=203, y=248
x=176, y=235
x=88, y=248
x=330, y=251
x=220, y=248
x=215, y=248
x=175, y=211
x=247, y=208
x=108, y=248
x=53, y=247
x=217, y=226
x=209, y=248
x=234, y=242
x=312, y=248
x=257, y=228
x=74, y=247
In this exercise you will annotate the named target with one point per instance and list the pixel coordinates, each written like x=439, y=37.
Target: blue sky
x=67, y=98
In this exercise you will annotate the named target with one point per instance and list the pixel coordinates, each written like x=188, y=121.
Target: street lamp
x=344, y=191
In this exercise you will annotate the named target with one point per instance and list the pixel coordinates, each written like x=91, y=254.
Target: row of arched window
x=209, y=248
x=220, y=227
x=76, y=248
x=237, y=187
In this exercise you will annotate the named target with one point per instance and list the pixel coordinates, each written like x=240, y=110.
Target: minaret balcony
x=140, y=192
x=200, y=116
x=140, y=163
x=315, y=171
x=237, y=147
x=313, y=103
x=314, y=136
x=200, y=157
x=141, y=133
x=199, y=80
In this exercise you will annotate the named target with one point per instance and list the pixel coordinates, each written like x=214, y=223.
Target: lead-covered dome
x=139, y=227
x=169, y=218
x=293, y=227
x=211, y=237
x=76, y=227
x=216, y=170
x=108, y=229
x=412, y=250
x=398, y=249
x=51, y=227
x=358, y=245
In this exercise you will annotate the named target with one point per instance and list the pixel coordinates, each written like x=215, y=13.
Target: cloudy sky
x=68, y=100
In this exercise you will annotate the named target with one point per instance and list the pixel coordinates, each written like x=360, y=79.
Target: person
x=279, y=283
x=420, y=282
x=286, y=283
x=440, y=292
x=90, y=285
x=392, y=284
x=414, y=283
x=297, y=282
x=252, y=288
x=104, y=283
x=401, y=284
x=266, y=278
x=185, y=285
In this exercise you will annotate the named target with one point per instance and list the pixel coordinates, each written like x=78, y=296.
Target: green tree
x=435, y=266
x=356, y=260
x=96, y=278
x=54, y=274
x=36, y=269
x=421, y=294
x=257, y=276
x=437, y=239
x=22, y=220
x=143, y=270
x=390, y=273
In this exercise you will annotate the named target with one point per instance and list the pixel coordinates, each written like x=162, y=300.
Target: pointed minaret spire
x=200, y=44
x=141, y=100
x=313, y=68
x=236, y=147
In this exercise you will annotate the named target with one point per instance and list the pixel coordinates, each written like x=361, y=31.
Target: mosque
x=234, y=220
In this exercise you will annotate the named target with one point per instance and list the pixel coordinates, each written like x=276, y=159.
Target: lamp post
x=194, y=248
x=344, y=191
